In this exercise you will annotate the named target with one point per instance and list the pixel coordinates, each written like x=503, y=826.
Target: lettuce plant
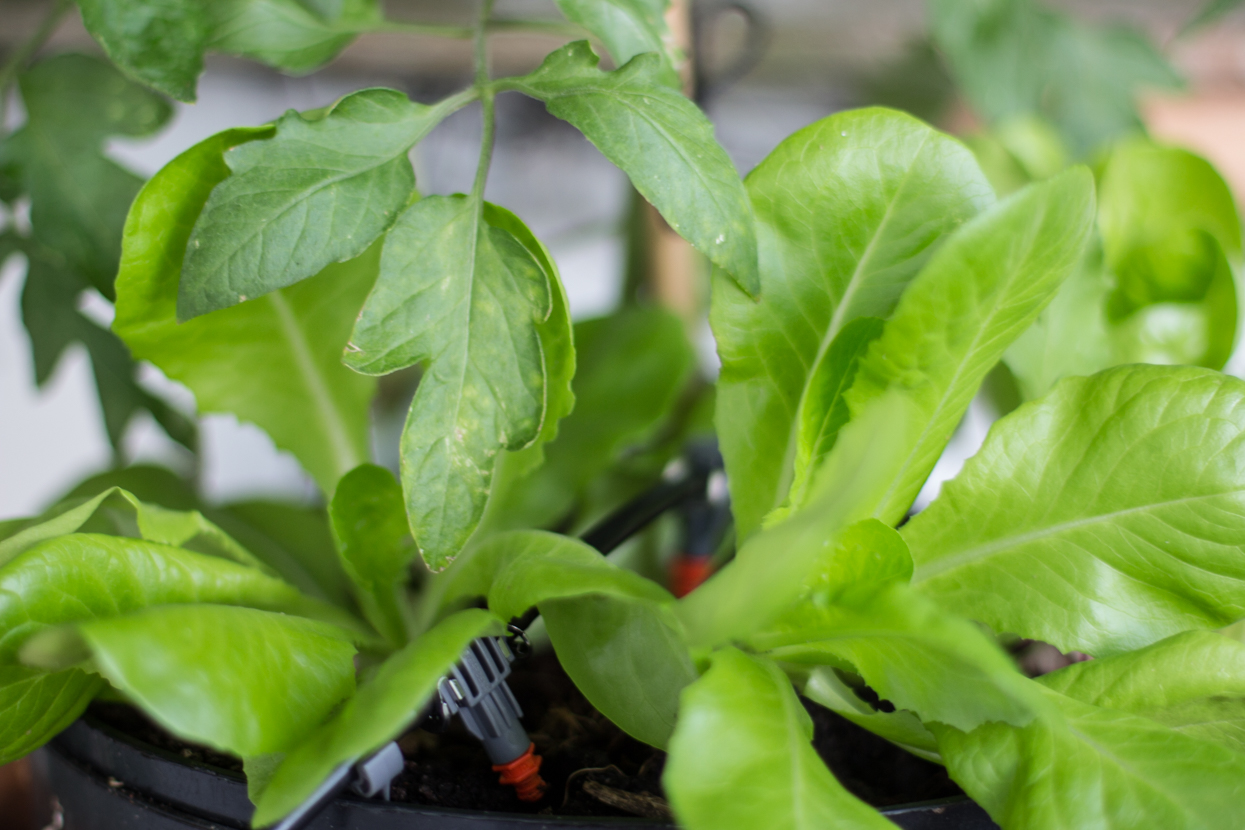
x=867, y=280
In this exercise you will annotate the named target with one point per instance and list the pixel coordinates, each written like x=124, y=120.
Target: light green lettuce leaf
x=240, y=680
x=980, y=290
x=380, y=711
x=1101, y=518
x=848, y=211
x=1193, y=682
x=1095, y=767
x=374, y=543
x=741, y=757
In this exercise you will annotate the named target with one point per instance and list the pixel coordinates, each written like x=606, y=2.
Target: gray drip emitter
x=475, y=690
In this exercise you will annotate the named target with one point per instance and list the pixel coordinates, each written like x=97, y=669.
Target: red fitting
x=523, y=773
x=688, y=572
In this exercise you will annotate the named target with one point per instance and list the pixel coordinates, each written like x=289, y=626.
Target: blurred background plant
x=1150, y=92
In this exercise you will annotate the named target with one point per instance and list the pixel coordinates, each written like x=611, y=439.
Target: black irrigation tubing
x=616, y=528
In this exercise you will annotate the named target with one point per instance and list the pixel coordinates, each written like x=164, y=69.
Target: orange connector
x=688, y=572
x=523, y=773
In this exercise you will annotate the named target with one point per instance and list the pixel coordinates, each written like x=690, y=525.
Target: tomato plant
x=868, y=276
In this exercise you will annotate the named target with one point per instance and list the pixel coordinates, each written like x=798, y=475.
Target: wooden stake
x=673, y=264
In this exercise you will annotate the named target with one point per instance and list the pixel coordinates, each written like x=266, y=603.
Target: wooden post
x=672, y=263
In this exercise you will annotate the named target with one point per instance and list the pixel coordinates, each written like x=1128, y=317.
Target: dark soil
x=591, y=766
x=127, y=719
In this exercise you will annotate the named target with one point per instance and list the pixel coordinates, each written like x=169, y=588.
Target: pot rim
x=201, y=791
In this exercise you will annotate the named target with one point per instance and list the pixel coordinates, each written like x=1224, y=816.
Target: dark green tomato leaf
x=627, y=656
x=741, y=757
x=295, y=541
x=848, y=211
x=120, y=396
x=979, y=292
x=35, y=705
x=1192, y=682
x=319, y=192
x=632, y=365
x=1015, y=57
x=557, y=338
x=373, y=540
x=774, y=568
x=243, y=681
x=88, y=100
x=910, y=651
x=515, y=499
x=381, y=710
x=49, y=311
x=913, y=79
x=627, y=28
x=117, y=510
x=52, y=319
x=10, y=243
x=465, y=298
x=1171, y=235
x=1071, y=336
x=11, y=187
x=1094, y=767
x=662, y=141
x=327, y=10
x=823, y=409
x=1104, y=517
x=276, y=361
x=159, y=42
x=286, y=33
x=78, y=197
x=1211, y=12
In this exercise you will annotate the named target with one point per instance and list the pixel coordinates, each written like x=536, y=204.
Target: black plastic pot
x=107, y=780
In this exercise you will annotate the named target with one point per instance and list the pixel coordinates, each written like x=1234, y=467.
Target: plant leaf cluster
x=78, y=199
x=869, y=275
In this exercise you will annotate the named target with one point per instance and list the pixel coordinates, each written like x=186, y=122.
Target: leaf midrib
x=786, y=472
x=345, y=455
x=970, y=556
x=1000, y=297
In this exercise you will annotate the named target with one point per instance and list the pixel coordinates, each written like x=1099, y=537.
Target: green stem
x=485, y=89
x=538, y=27
x=398, y=27
x=18, y=60
x=543, y=27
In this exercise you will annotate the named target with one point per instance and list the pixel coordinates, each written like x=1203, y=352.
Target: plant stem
x=547, y=27
x=486, y=92
x=399, y=27
x=17, y=61
x=539, y=27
